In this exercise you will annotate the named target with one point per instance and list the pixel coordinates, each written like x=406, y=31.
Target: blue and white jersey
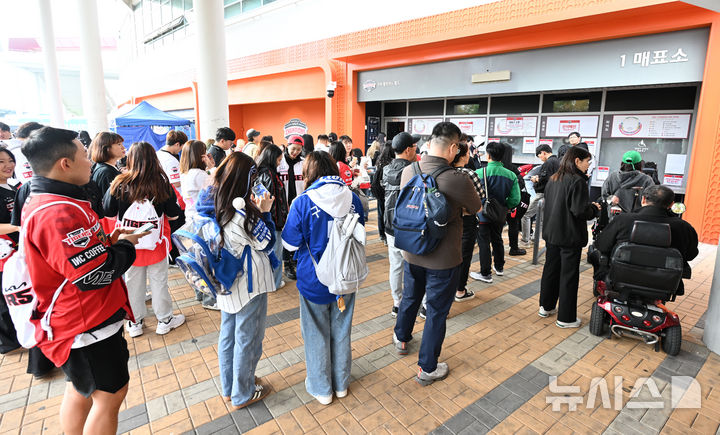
x=308, y=224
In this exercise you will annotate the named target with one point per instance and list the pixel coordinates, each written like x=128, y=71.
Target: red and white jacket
x=66, y=241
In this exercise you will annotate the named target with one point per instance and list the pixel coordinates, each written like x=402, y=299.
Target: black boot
x=289, y=267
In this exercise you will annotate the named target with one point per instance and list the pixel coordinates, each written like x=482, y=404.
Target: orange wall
x=270, y=118
x=295, y=85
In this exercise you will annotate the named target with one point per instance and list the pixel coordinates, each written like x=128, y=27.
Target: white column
x=711, y=336
x=52, y=76
x=211, y=67
x=91, y=74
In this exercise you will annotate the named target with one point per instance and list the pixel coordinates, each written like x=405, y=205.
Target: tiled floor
x=501, y=355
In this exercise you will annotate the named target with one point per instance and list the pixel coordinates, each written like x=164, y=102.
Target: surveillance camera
x=331, y=89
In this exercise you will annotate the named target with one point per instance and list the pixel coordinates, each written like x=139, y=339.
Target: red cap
x=295, y=139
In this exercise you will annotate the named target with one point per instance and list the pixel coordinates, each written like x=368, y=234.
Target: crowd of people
x=94, y=222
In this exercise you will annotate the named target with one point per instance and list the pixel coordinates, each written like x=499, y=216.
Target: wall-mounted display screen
x=648, y=126
x=514, y=125
x=562, y=126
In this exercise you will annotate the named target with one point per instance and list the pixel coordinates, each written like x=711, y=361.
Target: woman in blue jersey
x=324, y=324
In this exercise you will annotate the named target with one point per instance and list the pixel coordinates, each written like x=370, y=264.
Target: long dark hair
x=386, y=155
x=567, y=164
x=337, y=151
x=507, y=155
x=192, y=156
x=268, y=157
x=318, y=164
x=234, y=178
x=144, y=179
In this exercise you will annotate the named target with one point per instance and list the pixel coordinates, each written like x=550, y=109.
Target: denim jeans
x=440, y=287
x=240, y=348
x=328, y=354
x=278, y=248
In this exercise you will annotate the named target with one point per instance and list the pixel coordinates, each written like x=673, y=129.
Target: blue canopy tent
x=137, y=125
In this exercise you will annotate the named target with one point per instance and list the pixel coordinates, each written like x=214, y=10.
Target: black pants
x=560, y=278
x=513, y=231
x=490, y=234
x=381, y=217
x=469, y=236
x=8, y=335
x=38, y=363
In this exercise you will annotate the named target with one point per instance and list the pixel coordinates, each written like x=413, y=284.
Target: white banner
x=424, y=127
x=471, y=126
x=562, y=126
x=651, y=126
x=516, y=126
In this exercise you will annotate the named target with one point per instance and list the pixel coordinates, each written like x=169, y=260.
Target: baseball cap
x=632, y=157
x=252, y=133
x=404, y=140
x=296, y=140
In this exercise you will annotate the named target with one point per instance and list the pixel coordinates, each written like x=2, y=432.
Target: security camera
x=331, y=89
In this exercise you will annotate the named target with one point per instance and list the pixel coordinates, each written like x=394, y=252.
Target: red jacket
x=66, y=240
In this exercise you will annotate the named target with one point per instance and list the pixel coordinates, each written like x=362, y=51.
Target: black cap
x=403, y=141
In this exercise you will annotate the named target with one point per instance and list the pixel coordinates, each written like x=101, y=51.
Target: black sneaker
x=394, y=312
x=517, y=252
x=423, y=313
x=469, y=294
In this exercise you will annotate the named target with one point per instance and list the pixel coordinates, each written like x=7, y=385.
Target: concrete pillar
x=711, y=336
x=91, y=72
x=211, y=68
x=52, y=76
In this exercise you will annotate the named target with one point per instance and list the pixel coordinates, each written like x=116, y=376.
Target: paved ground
x=501, y=355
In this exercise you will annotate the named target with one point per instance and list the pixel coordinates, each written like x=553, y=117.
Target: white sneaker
x=543, y=313
x=480, y=277
x=498, y=272
x=213, y=307
x=172, y=323
x=282, y=284
x=575, y=324
x=341, y=394
x=324, y=400
x=527, y=244
x=148, y=296
x=134, y=329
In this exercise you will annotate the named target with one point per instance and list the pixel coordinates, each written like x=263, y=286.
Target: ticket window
x=514, y=120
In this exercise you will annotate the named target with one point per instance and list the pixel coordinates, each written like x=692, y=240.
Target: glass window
x=395, y=109
x=249, y=5
x=425, y=108
x=515, y=104
x=467, y=107
x=651, y=99
x=233, y=10
x=585, y=102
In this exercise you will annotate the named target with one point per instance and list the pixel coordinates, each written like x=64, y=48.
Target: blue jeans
x=240, y=349
x=278, y=248
x=440, y=286
x=328, y=355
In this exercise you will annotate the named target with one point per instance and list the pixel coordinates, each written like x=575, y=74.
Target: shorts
x=101, y=366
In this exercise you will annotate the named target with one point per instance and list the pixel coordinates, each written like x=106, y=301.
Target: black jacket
x=103, y=175
x=684, y=238
x=270, y=179
x=551, y=165
x=567, y=210
x=391, y=183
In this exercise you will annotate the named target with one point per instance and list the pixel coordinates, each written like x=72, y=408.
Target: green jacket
x=502, y=185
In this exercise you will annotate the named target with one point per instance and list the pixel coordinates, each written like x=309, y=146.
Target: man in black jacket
x=405, y=147
x=656, y=203
x=550, y=165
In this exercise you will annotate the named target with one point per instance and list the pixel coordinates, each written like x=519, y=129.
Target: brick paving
x=501, y=354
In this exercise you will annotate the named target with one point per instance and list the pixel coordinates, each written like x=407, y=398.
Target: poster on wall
x=295, y=126
x=660, y=126
x=515, y=126
x=562, y=126
x=528, y=145
x=424, y=127
x=471, y=126
x=592, y=145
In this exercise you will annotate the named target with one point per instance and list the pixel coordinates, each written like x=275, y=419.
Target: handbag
x=494, y=211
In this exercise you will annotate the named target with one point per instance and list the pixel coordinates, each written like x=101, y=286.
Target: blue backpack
x=421, y=213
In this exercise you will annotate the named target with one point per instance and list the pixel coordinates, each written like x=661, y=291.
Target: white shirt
x=170, y=165
x=283, y=169
x=191, y=183
x=320, y=147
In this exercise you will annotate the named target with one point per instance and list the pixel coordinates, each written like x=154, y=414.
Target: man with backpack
x=436, y=272
x=76, y=270
x=405, y=147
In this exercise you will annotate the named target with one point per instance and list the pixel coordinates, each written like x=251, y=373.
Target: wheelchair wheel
x=596, y=293
x=672, y=340
x=598, y=320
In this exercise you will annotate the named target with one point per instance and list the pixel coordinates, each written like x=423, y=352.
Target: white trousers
x=138, y=278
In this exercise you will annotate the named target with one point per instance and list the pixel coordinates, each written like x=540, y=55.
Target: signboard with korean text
x=471, y=126
x=295, y=127
x=562, y=126
x=648, y=126
x=423, y=126
x=513, y=125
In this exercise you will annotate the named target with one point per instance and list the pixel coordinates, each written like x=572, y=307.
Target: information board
x=424, y=127
x=647, y=126
x=471, y=126
x=562, y=126
x=515, y=126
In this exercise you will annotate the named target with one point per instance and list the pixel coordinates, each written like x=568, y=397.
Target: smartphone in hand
x=144, y=228
x=259, y=190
